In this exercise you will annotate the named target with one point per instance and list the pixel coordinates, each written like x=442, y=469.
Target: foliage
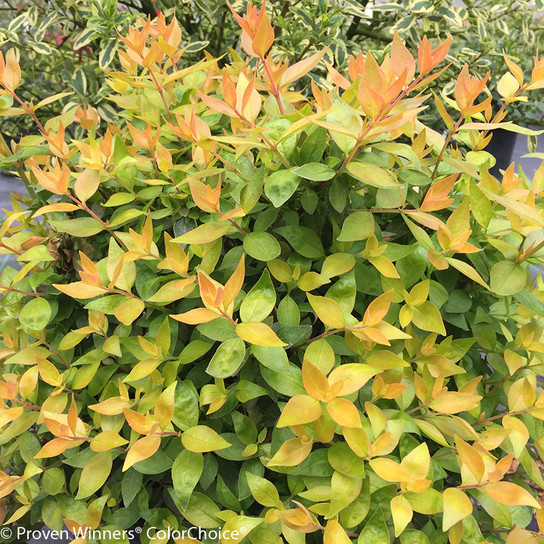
x=482, y=31
x=301, y=316
x=65, y=46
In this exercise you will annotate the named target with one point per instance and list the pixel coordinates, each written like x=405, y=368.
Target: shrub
x=299, y=315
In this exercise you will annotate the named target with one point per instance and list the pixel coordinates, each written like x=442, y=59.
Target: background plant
x=65, y=46
x=257, y=303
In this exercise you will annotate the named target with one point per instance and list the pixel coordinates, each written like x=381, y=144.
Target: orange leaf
x=142, y=449
x=344, y=413
x=196, y=316
x=510, y=494
x=315, y=382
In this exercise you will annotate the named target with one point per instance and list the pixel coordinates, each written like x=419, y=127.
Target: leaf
x=263, y=491
x=328, y=311
x=35, y=314
x=335, y=534
x=94, y=474
x=457, y=506
x=507, y=278
x=186, y=472
x=467, y=270
x=371, y=174
x=87, y=184
x=129, y=310
x=291, y=453
x=303, y=240
x=352, y=376
x=204, y=234
x=389, y=470
x=274, y=358
x=314, y=171
x=228, y=358
x=80, y=227
x=357, y=226
x=344, y=412
x=261, y=246
x=301, y=68
x=142, y=449
x=402, y=513
x=510, y=494
x=300, y=409
x=427, y=316
x=200, y=439
x=280, y=186
x=259, y=334
x=107, y=440
x=260, y=301
x=507, y=85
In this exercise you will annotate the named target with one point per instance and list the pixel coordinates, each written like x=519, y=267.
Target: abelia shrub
x=296, y=315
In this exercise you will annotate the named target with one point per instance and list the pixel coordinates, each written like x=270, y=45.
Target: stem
x=103, y=223
x=446, y=143
x=28, y=293
x=50, y=347
x=275, y=90
x=322, y=335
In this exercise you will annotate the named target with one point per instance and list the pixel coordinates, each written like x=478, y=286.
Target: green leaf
x=227, y=359
x=507, y=278
x=286, y=384
x=260, y=300
x=261, y=246
x=371, y=174
x=357, y=226
x=94, y=474
x=274, y=358
x=263, y=491
x=186, y=472
x=303, y=240
x=81, y=227
x=314, y=171
x=280, y=186
x=375, y=530
x=35, y=314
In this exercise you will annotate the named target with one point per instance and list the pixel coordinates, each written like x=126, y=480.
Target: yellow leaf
x=353, y=376
x=164, y=406
x=471, y=458
x=142, y=449
x=201, y=438
x=371, y=174
x=327, y=310
x=300, y=409
x=417, y=462
x=87, y=184
x=129, y=310
x=107, y=440
x=335, y=533
x=389, y=470
x=510, y=494
x=79, y=289
x=452, y=402
x=457, y=506
x=208, y=232
x=12, y=71
x=259, y=334
x=507, y=85
x=111, y=406
x=402, y=513
x=291, y=453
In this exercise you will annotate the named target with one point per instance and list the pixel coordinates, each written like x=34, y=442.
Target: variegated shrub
x=289, y=311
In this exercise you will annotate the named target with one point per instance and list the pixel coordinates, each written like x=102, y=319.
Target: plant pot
x=502, y=148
